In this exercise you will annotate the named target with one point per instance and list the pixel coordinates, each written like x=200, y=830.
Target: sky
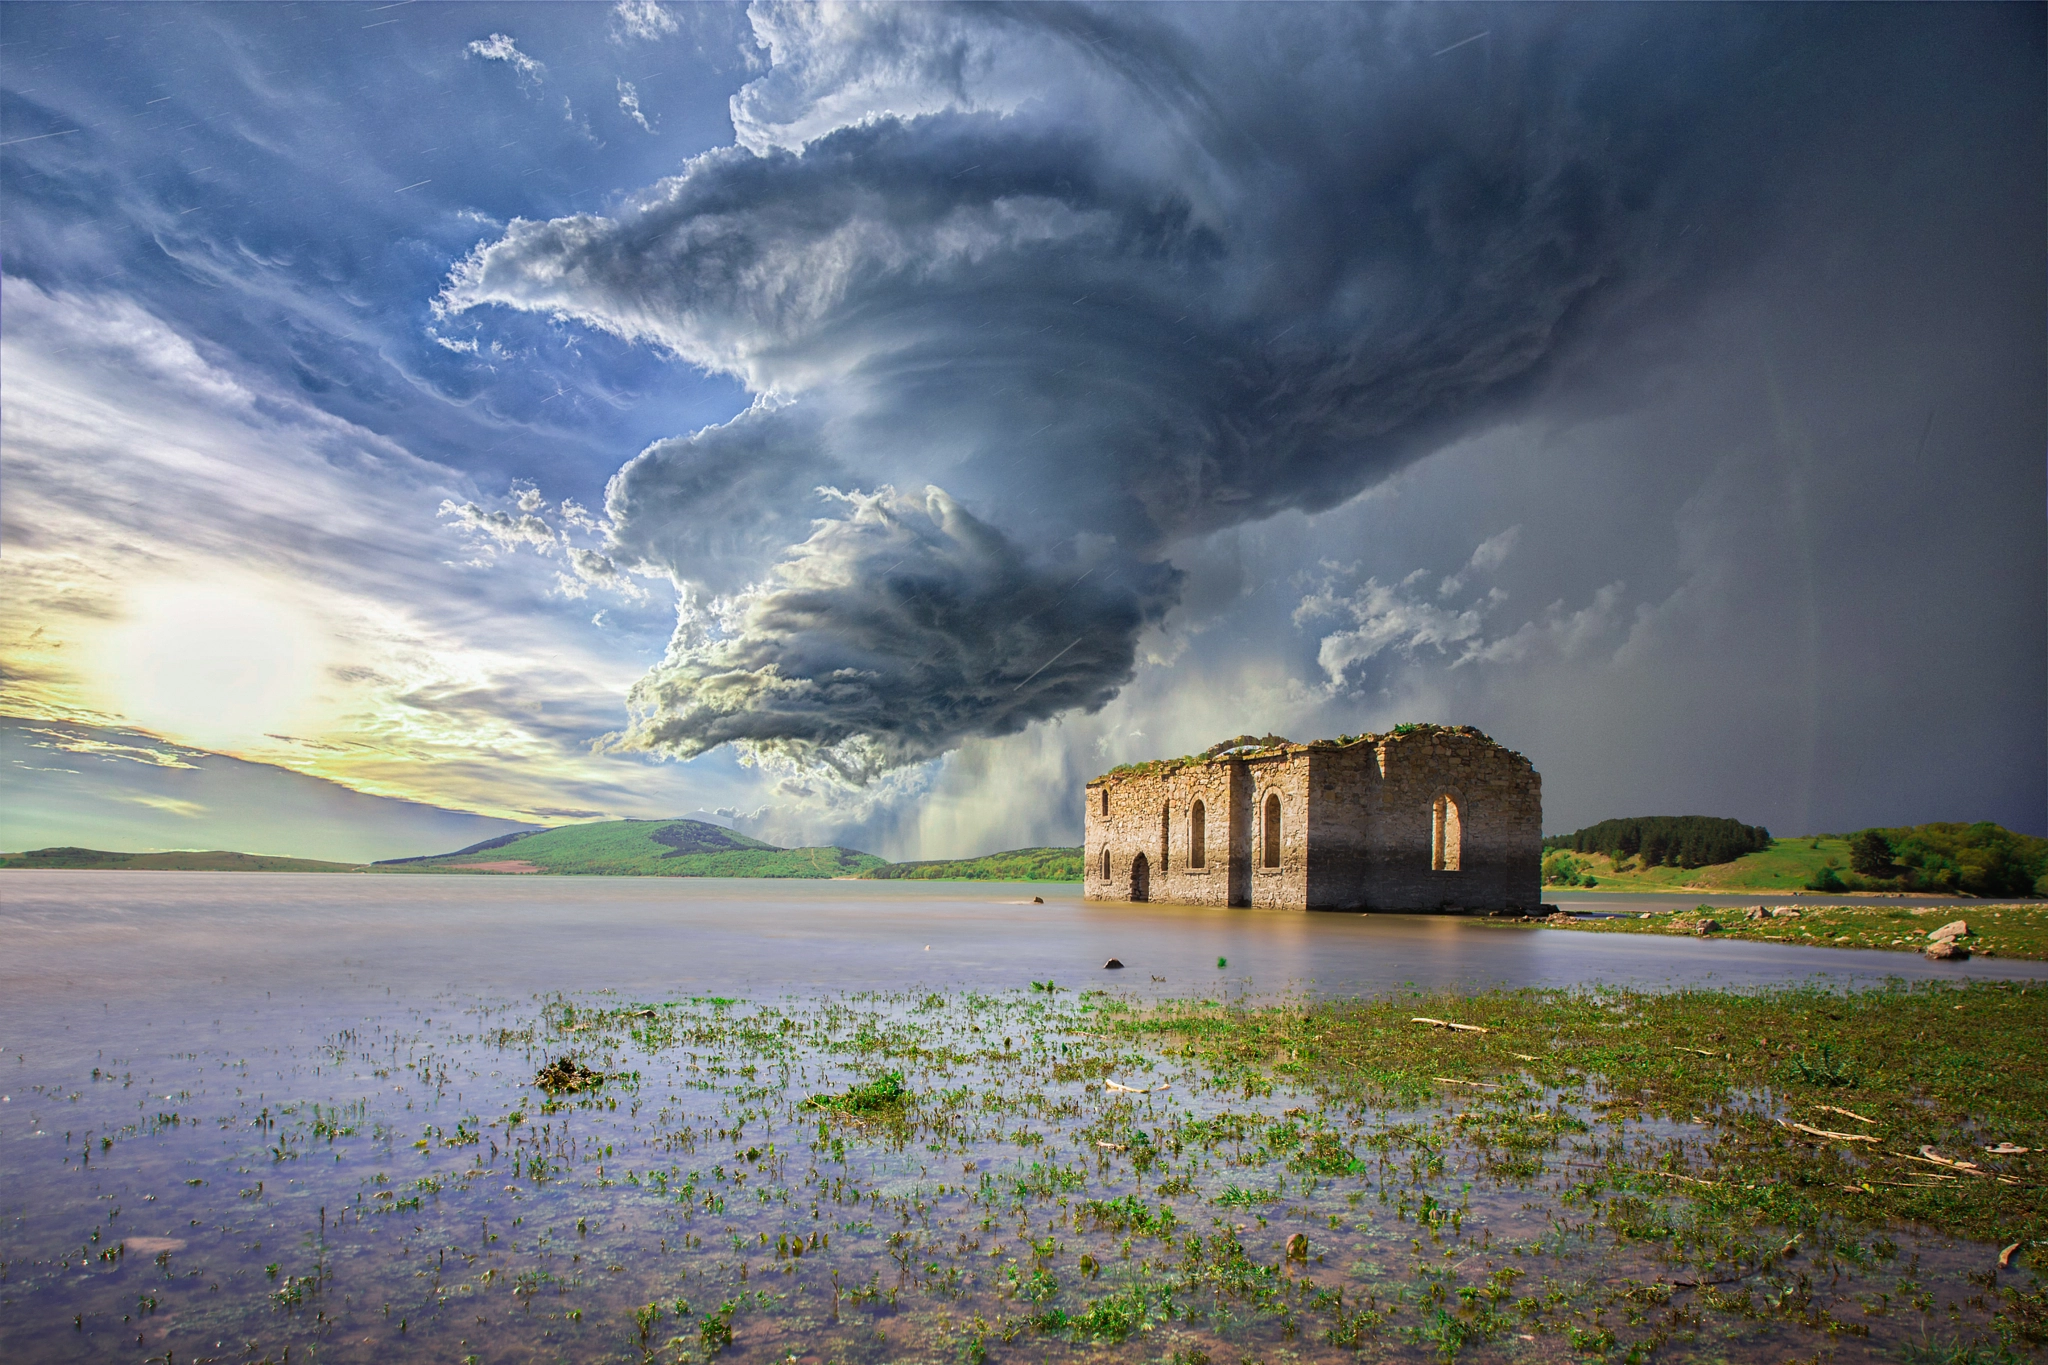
x=863, y=424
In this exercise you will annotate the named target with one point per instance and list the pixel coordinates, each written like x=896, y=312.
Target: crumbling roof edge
x=1239, y=754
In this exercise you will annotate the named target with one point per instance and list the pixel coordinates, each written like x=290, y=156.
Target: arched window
x=1197, y=836
x=1447, y=838
x=1105, y=862
x=1105, y=800
x=1166, y=836
x=1273, y=830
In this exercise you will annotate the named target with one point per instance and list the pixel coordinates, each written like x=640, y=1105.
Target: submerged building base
x=1424, y=818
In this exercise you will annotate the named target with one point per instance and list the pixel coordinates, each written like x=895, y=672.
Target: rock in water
x=1955, y=928
x=1947, y=949
x=1297, y=1247
x=1038, y=900
x=1113, y=965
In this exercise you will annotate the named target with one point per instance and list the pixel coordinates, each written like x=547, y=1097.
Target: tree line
x=1983, y=859
x=1666, y=840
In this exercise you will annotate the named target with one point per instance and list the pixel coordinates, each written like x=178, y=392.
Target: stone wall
x=1151, y=815
x=1357, y=827
x=1499, y=801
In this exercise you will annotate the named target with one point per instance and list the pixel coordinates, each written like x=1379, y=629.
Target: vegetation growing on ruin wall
x=1258, y=746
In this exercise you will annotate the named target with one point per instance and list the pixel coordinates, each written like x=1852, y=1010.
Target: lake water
x=246, y=1113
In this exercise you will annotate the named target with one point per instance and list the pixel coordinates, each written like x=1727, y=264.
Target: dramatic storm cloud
x=912, y=411
x=1032, y=297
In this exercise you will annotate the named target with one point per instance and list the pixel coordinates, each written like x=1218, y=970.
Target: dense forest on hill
x=1666, y=840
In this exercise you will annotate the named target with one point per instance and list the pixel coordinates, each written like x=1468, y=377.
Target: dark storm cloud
x=893, y=631
x=1113, y=278
x=710, y=508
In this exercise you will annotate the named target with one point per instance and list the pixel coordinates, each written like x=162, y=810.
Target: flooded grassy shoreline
x=1044, y=1174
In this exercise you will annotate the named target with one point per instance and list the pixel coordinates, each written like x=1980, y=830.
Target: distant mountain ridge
x=612, y=848
x=641, y=848
x=186, y=860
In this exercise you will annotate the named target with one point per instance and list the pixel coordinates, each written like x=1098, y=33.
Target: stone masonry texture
x=1427, y=818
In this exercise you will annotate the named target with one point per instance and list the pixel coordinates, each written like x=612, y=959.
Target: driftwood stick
x=1631, y=1170
x=1845, y=1113
x=1942, y=1162
x=1445, y=1023
x=1673, y=1175
x=1830, y=1133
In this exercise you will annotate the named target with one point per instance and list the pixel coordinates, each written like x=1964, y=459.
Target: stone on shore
x=1947, y=949
x=1955, y=928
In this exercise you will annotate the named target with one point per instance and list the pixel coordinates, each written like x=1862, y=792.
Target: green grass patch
x=886, y=1091
x=1952, y=1069
x=2014, y=930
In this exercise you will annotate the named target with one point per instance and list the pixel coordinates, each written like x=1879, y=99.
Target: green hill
x=1017, y=865
x=1978, y=860
x=1672, y=840
x=641, y=848
x=215, y=860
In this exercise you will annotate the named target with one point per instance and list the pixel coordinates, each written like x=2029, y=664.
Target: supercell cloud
x=1029, y=298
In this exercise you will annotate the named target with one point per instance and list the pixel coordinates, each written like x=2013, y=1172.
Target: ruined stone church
x=1427, y=817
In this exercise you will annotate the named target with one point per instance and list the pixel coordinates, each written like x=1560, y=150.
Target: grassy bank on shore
x=1996, y=930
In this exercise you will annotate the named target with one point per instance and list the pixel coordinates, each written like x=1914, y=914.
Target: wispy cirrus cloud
x=645, y=20
x=263, y=579
x=500, y=47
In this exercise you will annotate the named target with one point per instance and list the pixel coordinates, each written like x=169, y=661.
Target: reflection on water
x=116, y=934
x=248, y=1113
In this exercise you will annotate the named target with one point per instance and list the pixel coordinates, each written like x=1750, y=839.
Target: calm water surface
x=249, y=1112
x=106, y=938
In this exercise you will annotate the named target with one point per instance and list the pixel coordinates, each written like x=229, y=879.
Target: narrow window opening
x=1105, y=862
x=1105, y=800
x=1447, y=836
x=1272, y=839
x=1166, y=836
x=1197, y=836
